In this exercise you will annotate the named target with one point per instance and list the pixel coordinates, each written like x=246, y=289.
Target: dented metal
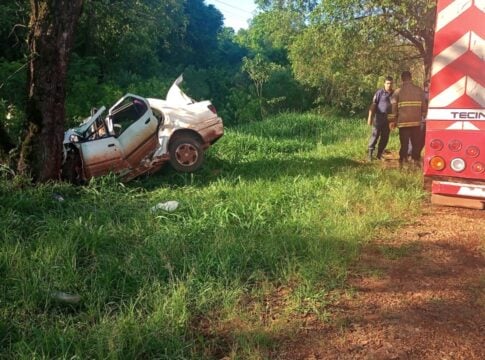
x=139, y=135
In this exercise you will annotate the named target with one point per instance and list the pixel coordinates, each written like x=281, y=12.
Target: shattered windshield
x=93, y=127
x=96, y=114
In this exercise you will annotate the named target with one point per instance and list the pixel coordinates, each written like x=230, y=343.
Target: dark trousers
x=422, y=137
x=421, y=140
x=380, y=133
x=406, y=135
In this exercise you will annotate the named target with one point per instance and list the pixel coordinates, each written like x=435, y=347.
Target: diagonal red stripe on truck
x=468, y=21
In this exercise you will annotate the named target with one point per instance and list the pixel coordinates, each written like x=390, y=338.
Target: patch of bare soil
x=417, y=294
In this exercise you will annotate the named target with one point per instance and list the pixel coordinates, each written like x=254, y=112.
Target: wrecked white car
x=139, y=135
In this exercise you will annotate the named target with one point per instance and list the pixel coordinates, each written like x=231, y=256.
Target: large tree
x=52, y=25
x=345, y=46
x=407, y=22
x=411, y=21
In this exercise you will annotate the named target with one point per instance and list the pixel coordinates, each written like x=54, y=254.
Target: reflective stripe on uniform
x=409, y=103
x=409, y=124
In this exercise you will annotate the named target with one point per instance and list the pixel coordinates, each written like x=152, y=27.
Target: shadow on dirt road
x=415, y=294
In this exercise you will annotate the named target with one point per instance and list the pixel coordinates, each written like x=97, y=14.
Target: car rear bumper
x=212, y=132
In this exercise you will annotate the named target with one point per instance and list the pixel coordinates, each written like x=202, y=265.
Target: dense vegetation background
x=294, y=56
x=278, y=212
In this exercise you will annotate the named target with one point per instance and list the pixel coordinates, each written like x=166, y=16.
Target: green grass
x=285, y=203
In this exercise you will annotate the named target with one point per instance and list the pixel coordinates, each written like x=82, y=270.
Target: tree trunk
x=52, y=25
x=428, y=58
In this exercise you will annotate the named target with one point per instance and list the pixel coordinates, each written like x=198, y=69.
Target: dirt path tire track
x=416, y=294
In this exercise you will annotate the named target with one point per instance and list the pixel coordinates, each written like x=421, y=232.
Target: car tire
x=186, y=154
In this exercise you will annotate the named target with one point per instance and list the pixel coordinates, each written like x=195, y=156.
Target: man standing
x=379, y=109
x=408, y=108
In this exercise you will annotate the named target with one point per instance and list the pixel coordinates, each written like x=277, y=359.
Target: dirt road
x=415, y=294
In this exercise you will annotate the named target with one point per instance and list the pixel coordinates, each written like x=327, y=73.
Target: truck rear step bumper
x=458, y=194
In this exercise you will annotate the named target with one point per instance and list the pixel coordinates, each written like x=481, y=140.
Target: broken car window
x=126, y=113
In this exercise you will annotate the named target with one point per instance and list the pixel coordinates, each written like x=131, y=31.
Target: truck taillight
x=478, y=167
x=473, y=151
x=454, y=145
x=436, y=144
x=458, y=164
x=212, y=108
x=437, y=163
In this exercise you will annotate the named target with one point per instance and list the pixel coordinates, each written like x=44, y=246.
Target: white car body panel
x=132, y=140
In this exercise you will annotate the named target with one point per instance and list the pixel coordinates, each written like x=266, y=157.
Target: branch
x=407, y=35
x=13, y=32
x=13, y=29
x=32, y=56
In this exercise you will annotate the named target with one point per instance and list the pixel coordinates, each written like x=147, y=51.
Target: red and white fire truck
x=454, y=161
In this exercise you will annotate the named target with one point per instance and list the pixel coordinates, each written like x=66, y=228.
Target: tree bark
x=51, y=37
x=428, y=58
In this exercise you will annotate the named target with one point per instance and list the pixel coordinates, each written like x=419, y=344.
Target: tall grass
x=284, y=203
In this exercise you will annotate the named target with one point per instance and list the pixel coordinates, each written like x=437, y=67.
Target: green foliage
x=143, y=48
x=259, y=70
x=271, y=33
x=341, y=48
x=14, y=18
x=336, y=74
x=12, y=97
x=286, y=93
x=282, y=203
x=125, y=36
x=202, y=31
x=242, y=107
x=299, y=54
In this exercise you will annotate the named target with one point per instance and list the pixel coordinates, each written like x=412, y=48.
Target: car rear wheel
x=186, y=154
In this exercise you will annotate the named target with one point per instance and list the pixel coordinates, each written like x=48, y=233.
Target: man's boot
x=369, y=157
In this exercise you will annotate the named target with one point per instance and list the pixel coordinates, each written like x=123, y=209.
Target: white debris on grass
x=66, y=297
x=168, y=206
x=57, y=197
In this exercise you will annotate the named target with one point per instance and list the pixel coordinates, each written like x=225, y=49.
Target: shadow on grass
x=308, y=128
x=267, y=169
x=427, y=297
x=422, y=315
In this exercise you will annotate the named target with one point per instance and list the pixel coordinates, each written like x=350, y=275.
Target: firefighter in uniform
x=408, y=108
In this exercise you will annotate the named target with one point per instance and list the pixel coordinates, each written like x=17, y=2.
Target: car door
x=102, y=156
x=138, y=128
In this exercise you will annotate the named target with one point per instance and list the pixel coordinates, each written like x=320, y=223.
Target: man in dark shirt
x=380, y=107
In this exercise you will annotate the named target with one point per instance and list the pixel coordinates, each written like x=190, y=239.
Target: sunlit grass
x=281, y=204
